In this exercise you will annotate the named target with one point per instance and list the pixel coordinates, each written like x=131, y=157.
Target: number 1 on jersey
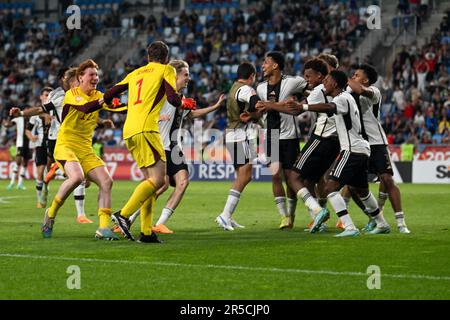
x=139, y=84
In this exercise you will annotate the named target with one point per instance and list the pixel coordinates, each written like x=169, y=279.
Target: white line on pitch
x=3, y=200
x=226, y=267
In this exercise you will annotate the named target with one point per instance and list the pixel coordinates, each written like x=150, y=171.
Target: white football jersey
x=324, y=126
x=20, y=131
x=56, y=97
x=167, y=127
x=37, y=130
x=288, y=125
x=370, y=111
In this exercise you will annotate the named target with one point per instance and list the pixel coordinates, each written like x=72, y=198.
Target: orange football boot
x=83, y=220
x=51, y=174
x=161, y=229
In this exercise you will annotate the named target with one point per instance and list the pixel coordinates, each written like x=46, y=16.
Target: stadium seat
x=244, y=47
x=290, y=56
x=226, y=68
x=262, y=36
x=280, y=36
x=126, y=23
x=174, y=50
x=167, y=31
x=202, y=19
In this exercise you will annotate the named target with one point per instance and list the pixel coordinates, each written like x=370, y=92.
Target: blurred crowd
x=417, y=106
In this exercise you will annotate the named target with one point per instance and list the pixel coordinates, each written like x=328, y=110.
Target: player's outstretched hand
x=188, y=104
x=261, y=106
x=221, y=98
x=294, y=107
x=245, y=116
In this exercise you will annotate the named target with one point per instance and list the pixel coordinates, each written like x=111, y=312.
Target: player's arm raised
x=16, y=112
x=201, y=112
x=115, y=91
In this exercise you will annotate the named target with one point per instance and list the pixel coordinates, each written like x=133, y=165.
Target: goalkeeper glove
x=116, y=102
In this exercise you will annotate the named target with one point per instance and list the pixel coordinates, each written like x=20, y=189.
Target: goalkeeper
x=148, y=88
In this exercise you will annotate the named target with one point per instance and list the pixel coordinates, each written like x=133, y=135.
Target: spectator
x=419, y=119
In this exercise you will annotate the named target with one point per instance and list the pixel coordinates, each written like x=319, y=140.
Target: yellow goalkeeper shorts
x=66, y=152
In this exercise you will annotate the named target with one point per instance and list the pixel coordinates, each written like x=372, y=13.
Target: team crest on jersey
x=78, y=98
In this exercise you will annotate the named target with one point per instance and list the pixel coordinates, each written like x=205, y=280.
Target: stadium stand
x=214, y=36
x=418, y=105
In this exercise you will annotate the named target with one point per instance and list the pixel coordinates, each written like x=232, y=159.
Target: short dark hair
x=317, y=65
x=371, y=73
x=340, y=77
x=245, y=70
x=46, y=89
x=158, y=51
x=278, y=57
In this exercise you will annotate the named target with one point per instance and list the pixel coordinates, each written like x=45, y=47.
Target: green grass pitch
x=201, y=261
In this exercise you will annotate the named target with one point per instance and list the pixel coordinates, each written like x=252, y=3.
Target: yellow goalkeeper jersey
x=148, y=88
x=79, y=117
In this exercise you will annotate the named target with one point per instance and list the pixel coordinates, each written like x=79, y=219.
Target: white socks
x=348, y=222
x=13, y=175
x=339, y=206
x=291, y=206
x=337, y=202
x=39, y=185
x=309, y=200
x=373, y=210
x=21, y=175
x=231, y=204
x=165, y=215
x=400, y=217
x=135, y=215
x=382, y=197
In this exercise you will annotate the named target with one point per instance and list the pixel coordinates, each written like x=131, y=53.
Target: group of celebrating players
x=346, y=141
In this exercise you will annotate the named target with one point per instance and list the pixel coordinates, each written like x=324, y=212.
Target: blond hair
x=69, y=76
x=330, y=59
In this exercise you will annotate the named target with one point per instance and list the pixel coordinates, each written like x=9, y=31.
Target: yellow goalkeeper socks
x=56, y=204
x=147, y=215
x=142, y=193
x=104, y=217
